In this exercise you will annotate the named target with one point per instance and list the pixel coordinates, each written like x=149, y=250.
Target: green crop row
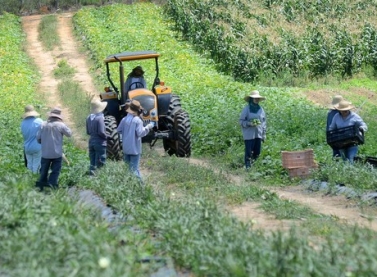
x=256, y=41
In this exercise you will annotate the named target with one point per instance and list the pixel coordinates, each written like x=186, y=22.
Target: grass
x=63, y=71
x=79, y=102
x=72, y=94
x=47, y=32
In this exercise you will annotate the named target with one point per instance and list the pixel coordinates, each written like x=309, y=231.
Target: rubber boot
x=40, y=185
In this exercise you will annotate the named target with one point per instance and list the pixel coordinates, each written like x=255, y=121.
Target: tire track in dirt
x=69, y=51
x=347, y=211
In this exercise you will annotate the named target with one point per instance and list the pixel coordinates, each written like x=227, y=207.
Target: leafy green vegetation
x=18, y=79
x=177, y=214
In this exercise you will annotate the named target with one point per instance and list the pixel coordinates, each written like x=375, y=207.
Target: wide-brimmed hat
x=96, y=106
x=138, y=68
x=335, y=101
x=344, y=106
x=254, y=94
x=56, y=112
x=134, y=107
x=30, y=111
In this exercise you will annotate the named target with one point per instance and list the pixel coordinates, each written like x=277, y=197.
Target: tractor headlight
x=153, y=115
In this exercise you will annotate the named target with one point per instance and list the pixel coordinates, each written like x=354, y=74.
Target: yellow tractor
x=160, y=106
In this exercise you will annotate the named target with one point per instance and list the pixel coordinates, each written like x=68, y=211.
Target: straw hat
x=134, y=107
x=335, y=101
x=30, y=111
x=254, y=94
x=56, y=112
x=344, y=106
x=96, y=106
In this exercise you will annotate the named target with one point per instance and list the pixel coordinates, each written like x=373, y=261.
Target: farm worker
x=95, y=128
x=332, y=111
x=346, y=118
x=135, y=79
x=50, y=136
x=254, y=125
x=30, y=126
x=132, y=130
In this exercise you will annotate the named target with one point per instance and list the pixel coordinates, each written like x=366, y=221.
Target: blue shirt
x=29, y=129
x=136, y=82
x=132, y=130
x=352, y=119
x=95, y=128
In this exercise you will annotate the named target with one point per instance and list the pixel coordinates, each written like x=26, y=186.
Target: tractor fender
x=163, y=103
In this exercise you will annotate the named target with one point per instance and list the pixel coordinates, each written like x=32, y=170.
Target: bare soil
x=345, y=210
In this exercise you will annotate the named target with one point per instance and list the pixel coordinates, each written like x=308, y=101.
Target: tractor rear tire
x=113, y=150
x=181, y=146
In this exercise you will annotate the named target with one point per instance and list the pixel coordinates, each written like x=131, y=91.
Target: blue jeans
x=349, y=153
x=55, y=165
x=252, y=150
x=97, y=156
x=133, y=163
x=34, y=161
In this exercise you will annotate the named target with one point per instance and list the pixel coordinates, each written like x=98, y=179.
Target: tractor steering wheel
x=136, y=85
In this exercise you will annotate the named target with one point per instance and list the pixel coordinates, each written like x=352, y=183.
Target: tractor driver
x=135, y=79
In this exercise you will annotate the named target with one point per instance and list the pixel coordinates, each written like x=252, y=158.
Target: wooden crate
x=299, y=172
x=298, y=159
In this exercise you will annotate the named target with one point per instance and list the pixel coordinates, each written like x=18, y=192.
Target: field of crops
x=261, y=40
x=53, y=235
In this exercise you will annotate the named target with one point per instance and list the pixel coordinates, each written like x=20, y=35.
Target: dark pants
x=97, y=156
x=335, y=152
x=252, y=150
x=55, y=165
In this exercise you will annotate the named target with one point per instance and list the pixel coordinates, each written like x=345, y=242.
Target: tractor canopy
x=131, y=56
x=126, y=57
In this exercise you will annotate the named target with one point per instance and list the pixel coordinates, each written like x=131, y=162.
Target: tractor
x=160, y=106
